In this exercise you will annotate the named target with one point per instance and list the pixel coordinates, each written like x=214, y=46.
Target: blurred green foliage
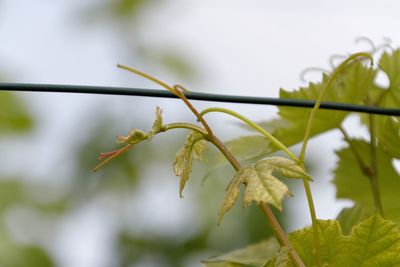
x=121, y=178
x=14, y=117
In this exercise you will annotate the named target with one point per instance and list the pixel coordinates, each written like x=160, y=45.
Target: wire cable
x=25, y=87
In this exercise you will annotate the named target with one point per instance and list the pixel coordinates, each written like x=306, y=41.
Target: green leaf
x=349, y=217
x=248, y=147
x=14, y=117
x=390, y=64
x=252, y=256
x=282, y=259
x=255, y=146
x=193, y=148
x=352, y=184
x=350, y=87
x=374, y=242
x=388, y=133
x=12, y=255
x=261, y=185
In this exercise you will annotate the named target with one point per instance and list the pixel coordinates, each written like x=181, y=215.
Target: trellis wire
x=24, y=87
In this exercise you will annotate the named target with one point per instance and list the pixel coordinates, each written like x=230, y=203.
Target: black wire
x=194, y=96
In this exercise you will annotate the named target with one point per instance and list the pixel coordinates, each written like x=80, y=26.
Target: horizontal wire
x=25, y=87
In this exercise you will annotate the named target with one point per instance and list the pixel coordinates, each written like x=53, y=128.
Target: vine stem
x=293, y=157
x=276, y=227
x=178, y=91
x=306, y=138
x=254, y=126
x=328, y=84
x=374, y=165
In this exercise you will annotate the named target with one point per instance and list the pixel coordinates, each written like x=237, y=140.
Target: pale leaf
x=261, y=185
x=193, y=148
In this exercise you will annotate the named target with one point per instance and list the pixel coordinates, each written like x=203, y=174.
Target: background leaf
x=352, y=184
x=252, y=256
x=14, y=117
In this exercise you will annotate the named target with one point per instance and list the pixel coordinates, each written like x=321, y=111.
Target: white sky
x=241, y=47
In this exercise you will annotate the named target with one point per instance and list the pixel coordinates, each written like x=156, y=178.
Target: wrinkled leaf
x=193, y=148
x=352, y=184
x=252, y=256
x=261, y=185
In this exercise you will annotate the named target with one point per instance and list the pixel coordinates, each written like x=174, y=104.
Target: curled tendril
x=368, y=41
x=336, y=57
x=375, y=48
x=311, y=69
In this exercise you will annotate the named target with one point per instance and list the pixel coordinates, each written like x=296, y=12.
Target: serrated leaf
x=251, y=256
x=374, y=242
x=390, y=64
x=352, y=184
x=351, y=86
x=192, y=149
x=261, y=185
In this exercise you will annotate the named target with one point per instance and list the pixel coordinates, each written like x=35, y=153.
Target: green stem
x=292, y=156
x=374, y=166
x=307, y=134
x=188, y=126
x=276, y=227
x=254, y=126
x=328, y=84
x=280, y=234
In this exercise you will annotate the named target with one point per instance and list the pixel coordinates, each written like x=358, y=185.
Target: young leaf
x=252, y=256
x=134, y=136
x=352, y=184
x=193, y=148
x=157, y=124
x=261, y=185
